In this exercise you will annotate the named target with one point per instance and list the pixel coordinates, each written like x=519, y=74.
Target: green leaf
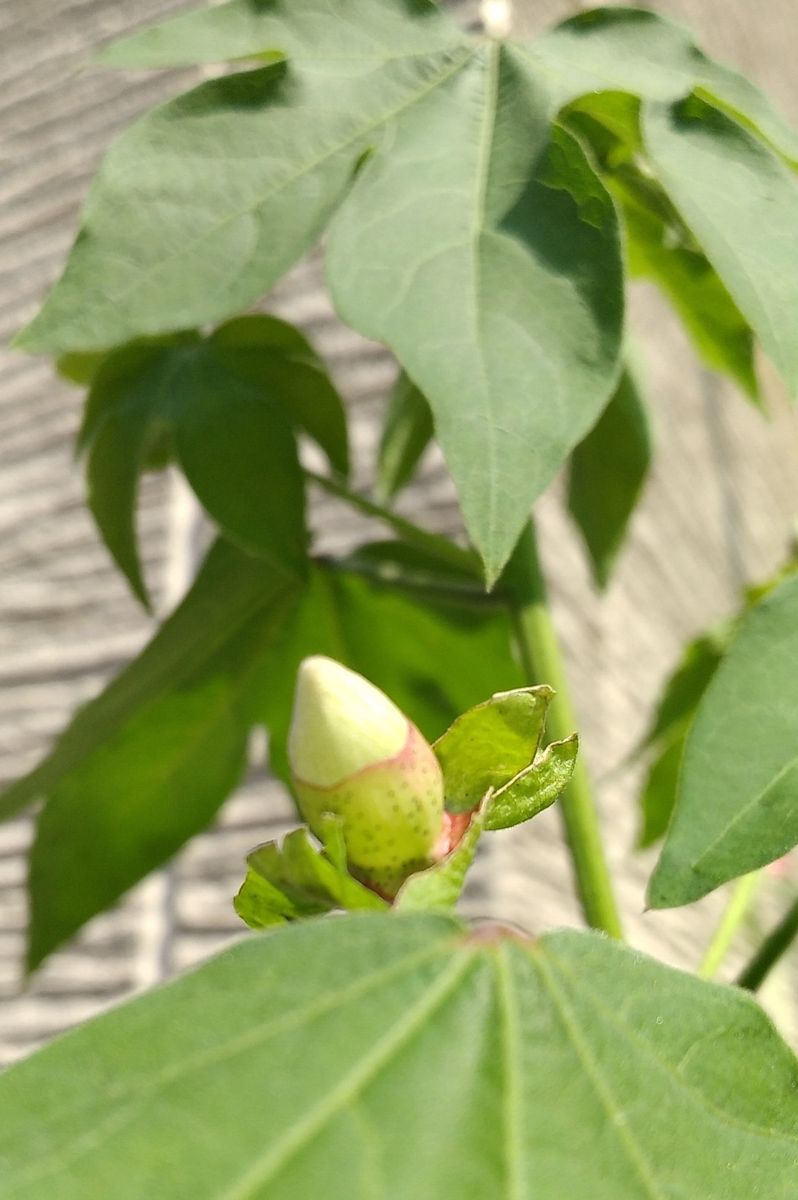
x=441, y=885
x=685, y=688
x=146, y=764
x=400, y=1056
x=178, y=228
x=660, y=249
x=239, y=455
x=120, y=427
x=658, y=798
x=736, y=807
x=407, y=432
x=633, y=50
x=742, y=205
x=79, y=368
x=303, y=29
x=226, y=406
x=534, y=788
x=281, y=363
x=490, y=743
x=495, y=280
x=294, y=880
x=608, y=471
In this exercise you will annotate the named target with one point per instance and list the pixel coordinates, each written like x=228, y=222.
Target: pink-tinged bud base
x=392, y=812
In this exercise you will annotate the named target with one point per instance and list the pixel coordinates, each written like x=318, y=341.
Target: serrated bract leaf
x=607, y=473
x=296, y=879
x=489, y=744
x=487, y=258
x=441, y=885
x=535, y=788
x=737, y=806
x=407, y=432
x=741, y=203
x=402, y=1053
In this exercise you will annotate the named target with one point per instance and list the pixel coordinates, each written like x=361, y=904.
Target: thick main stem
x=774, y=946
x=542, y=663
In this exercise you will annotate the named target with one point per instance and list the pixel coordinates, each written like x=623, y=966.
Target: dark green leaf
x=223, y=406
x=742, y=205
x=608, y=471
x=406, y=434
x=737, y=807
x=79, y=368
x=119, y=428
x=685, y=688
x=490, y=743
x=239, y=454
x=294, y=880
x=534, y=788
x=660, y=249
x=658, y=797
x=399, y=1056
x=659, y=246
x=147, y=764
x=278, y=360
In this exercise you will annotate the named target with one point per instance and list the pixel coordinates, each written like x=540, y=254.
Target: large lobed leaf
x=406, y=1057
x=468, y=233
x=737, y=804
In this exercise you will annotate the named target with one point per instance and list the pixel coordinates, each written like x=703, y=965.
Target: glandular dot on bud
x=353, y=753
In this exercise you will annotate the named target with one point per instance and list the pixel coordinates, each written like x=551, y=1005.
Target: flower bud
x=355, y=754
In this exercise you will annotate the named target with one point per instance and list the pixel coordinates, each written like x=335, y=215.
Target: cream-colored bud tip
x=340, y=724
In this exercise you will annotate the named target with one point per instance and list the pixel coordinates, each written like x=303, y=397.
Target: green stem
x=740, y=902
x=437, y=547
x=774, y=946
x=542, y=663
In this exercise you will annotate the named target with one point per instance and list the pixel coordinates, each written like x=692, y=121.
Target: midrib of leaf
x=252, y=206
x=340, y=1097
x=644, y=1047
x=513, y=1091
x=632, y=1150
x=482, y=177
x=252, y=1039
x=743, y=813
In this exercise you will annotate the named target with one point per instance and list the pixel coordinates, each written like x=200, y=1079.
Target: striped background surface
x=718, y=510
